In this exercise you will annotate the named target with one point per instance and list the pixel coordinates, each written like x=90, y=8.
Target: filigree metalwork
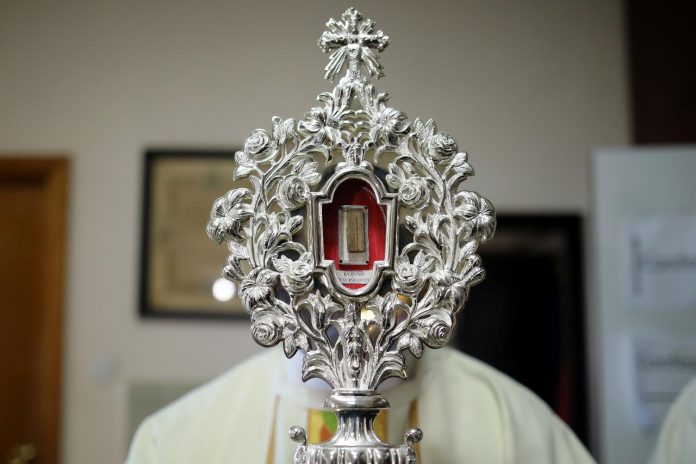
x=352, y=340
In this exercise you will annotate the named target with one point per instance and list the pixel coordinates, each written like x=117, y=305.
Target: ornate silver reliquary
x=352, y=241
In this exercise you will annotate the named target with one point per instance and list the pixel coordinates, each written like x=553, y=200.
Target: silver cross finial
x=353, y=39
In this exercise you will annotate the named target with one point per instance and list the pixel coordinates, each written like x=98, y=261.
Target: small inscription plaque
x=354, y=277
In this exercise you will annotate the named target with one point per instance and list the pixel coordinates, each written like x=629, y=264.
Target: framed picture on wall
x=180, y=266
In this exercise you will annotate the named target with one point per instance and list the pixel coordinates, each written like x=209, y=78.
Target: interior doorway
x=33, y=213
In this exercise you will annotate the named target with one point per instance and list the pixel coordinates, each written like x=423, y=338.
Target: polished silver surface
x=352, y=338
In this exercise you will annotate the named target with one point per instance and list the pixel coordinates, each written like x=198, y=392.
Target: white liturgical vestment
x=469, y=413
x=677, y=442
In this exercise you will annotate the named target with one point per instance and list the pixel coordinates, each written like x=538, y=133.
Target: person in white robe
x=469, y=413
x=677, y=441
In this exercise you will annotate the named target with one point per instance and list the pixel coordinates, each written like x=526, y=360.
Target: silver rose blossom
x=296, y=276
x=409, y=278
x=439, y=332
x=442, y=147
x=266, y=330
x=292, y=192
x=414, y=192
x=259, y=145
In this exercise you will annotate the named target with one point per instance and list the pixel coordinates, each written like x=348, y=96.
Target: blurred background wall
x=528, y=88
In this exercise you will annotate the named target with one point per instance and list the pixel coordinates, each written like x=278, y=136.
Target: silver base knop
x=355, y=440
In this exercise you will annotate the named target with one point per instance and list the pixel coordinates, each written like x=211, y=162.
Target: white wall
x=528, y=88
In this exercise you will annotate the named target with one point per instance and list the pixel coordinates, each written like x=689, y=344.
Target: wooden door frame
x=52, y=173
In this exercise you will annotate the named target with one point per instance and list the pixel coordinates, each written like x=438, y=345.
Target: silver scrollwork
x=352, y=342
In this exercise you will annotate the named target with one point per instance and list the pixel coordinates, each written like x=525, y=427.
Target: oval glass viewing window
x=355, y=231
